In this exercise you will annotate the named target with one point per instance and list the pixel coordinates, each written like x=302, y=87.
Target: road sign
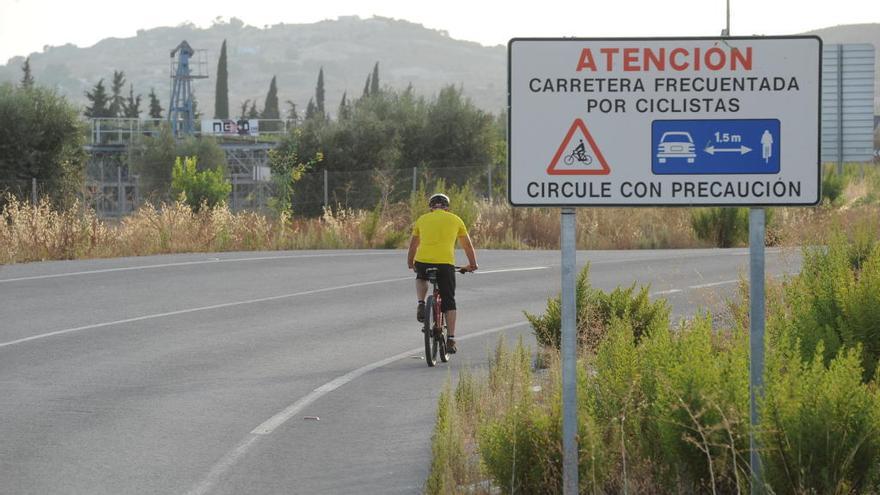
x=689, y=147
x=848, y=102
x=654, y=122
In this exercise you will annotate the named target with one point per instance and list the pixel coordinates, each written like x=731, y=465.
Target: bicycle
x=434, y=327
x=579, y=156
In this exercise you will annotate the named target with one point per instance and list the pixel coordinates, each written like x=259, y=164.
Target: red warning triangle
x=581, y=159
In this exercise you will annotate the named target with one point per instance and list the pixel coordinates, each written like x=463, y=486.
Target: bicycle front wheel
x=428, y=330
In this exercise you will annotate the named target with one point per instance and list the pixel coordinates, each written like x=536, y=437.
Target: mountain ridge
x=346, y=48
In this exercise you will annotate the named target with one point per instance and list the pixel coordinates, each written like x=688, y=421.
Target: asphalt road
x=195, y=374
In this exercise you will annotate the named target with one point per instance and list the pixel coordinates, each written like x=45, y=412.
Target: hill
x=347, y=48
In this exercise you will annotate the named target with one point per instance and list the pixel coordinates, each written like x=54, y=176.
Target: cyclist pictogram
x=583, y=158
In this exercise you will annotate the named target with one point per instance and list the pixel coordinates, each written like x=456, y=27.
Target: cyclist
x=433, y=245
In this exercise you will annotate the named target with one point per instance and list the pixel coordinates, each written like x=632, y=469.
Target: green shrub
x=821, y=426
x=447, y=449
x=723, y=227
x=595, y=312
x=835, y=302
x=208, y=186
x=833, y=185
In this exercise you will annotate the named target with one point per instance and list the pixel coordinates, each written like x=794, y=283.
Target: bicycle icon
x=579, y=154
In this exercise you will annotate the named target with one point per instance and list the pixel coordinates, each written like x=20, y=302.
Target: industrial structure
x=114, y=189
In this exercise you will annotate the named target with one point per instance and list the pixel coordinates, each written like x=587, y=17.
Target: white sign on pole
x=654, y=122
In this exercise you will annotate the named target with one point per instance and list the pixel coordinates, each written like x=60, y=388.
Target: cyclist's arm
x=465, y=242
x=411, y=256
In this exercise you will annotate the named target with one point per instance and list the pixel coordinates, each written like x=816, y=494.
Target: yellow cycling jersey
x=437, y=232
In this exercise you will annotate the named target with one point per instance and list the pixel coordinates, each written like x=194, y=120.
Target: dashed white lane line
x=188, y=263
x=713, y=284
x=200, y=308
x=226, y=463
x=225, y=305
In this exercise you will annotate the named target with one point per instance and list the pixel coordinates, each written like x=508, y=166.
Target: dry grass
x=39, y=232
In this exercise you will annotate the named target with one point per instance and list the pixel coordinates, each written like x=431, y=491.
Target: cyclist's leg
x=421, y=288
x=446, y=284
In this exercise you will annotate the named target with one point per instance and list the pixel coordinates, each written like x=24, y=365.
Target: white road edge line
x=267, y=427
x=187, y=263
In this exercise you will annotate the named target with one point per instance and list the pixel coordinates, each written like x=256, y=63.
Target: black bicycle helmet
x=439, y=200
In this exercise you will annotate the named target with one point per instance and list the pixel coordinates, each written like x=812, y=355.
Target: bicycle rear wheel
x=444, y=354
x=428, y=330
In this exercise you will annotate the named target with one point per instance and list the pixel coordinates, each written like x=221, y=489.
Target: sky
x=27, y=26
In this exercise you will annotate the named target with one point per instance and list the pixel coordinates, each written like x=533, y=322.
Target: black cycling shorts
x=445, y=282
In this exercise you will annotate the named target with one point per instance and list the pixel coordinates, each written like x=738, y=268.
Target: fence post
x=326, y=195
x=34, y=190
x=489, y=168
x=120, y=192
x=415, y=173
x=234, y=184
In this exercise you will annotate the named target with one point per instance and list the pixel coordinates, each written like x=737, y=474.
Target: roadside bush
x=820, y=425
x=833, y=185
x=207, y=187
x=723, y=227
x=595, y=312
x=834, y=303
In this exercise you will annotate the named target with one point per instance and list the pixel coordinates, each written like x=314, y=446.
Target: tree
x=244, y=109
x=270, y=109
x=344, y=108
x=221, y=91
x=374, y=81
x=253, y=113
x=27, y=79
x=311, y=109
x=319, y=93
x=292, y=116
x=42, y=139
x=155, y=107
x=99, y=99
x=367, y=87
x=117, y=101
x=132, y=106
x=197, y=187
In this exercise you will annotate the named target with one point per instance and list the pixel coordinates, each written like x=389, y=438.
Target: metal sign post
x=569, y=353
x=756, y=338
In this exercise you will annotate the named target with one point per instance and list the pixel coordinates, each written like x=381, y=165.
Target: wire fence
x=114, y=192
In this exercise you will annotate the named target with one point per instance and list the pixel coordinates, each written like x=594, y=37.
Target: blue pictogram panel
x=740, y=146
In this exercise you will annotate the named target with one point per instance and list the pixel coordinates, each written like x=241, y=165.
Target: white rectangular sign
x=230, y=127
x=652, y=122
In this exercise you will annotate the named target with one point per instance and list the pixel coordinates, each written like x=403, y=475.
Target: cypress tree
x=117, y=101
x=319, y=92
x=291, y=112
x=310, y=109
x=270, y=107
x=367, y=87
x=27, y=79
x=99, y=99
x=253, y=113
x=374, y=82
x=155, y=107
x=221, y=91
x=132, y=108
x=344, y=110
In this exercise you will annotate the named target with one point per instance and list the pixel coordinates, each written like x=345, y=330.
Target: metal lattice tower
x=181, y=113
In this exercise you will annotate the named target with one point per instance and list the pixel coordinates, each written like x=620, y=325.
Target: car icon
x=676, y=144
